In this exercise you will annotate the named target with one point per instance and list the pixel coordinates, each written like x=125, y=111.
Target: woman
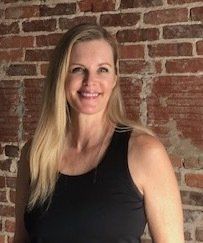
x=91, y=175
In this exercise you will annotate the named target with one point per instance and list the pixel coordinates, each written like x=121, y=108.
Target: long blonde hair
x=54, y=120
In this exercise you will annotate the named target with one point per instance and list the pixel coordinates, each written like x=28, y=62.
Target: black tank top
x=100, y=206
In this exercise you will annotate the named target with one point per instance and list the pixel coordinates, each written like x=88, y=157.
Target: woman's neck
x=87, y=131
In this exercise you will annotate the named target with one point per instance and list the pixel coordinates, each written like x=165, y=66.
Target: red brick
x=191, y=198
x=199, y=46
x=22, y=12
x=1, y=13
x=33, y=88
x=194, y=180
x=166, y=16
x=160, y=115
x=44, y=69
x=11, y=28
x=199, y=233
x=16, y=41
x=32, y=103
x=9, y=226
x=137, y=35
x=192, y=163
x=176, y=161
x=182, y=1
x=2, y=182
x=21, y=70
x=96, y=5
x=2, y=239
x=131, y=88
x=58, y=9
x=65, y=23
x=158, y=66
x=197, y=14
x=122, y=19
x=85, y=5
x=11, y=151
x=38, y=55
x=11, y=1
x=172, y=49
x=9, y=101
x=39, y=25
x=1, y=149
x=10, y=182
x=187, y=235
x=183, y=31
x=131, y=51
x=48, y=40
x=139, y=3
x=177, y=98
x=10, y=239
x=7, y=211
x=33, y=84
x=135, y=66
x=184, y=65
x=11, y=55
x=9, y=128
x=5, y=164
x=3, y=196
x=189, y=86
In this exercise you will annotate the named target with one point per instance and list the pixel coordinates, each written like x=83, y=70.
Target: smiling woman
x=91, y=77
x=93, y=176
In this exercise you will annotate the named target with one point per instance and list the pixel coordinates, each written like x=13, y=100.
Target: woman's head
x=91, y=78
x=59, y=68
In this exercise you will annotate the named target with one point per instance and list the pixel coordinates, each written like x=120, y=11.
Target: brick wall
x=161, y=66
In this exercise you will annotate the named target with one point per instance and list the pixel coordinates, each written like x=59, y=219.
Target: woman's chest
x=81, y=207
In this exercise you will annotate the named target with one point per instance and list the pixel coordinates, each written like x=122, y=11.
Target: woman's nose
x=89, y=78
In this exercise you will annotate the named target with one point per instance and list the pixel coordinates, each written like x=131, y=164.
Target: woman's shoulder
x=148, y=161
x=147, y=148
x=145, y=141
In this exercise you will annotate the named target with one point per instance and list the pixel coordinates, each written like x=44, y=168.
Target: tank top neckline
x=64, y=175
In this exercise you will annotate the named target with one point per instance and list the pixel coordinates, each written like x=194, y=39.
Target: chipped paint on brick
x=181, y=146
x=145, y=92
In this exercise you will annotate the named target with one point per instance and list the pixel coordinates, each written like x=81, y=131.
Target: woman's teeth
x=89, y=95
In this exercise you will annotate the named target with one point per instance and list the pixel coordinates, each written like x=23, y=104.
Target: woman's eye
x=103, y=70
x=77, y=70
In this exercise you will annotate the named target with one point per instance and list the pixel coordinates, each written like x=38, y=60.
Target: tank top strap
x=122, y=137
x=116, y=156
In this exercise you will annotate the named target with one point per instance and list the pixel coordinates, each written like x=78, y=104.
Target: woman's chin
x=88, y=110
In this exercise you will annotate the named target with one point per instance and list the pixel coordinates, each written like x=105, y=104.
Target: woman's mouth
x=88, y=94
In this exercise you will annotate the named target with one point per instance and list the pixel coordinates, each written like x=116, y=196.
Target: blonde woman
x=89, y=175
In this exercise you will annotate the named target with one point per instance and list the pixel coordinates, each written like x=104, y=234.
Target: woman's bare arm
x=153, y=173
x=22, y=194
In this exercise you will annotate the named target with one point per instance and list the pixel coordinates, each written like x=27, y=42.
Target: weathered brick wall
x=161, y=66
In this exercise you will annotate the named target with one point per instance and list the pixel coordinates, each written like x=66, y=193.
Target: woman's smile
x=88, y=95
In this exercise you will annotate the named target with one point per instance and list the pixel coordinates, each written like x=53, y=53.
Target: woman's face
x=91, y=77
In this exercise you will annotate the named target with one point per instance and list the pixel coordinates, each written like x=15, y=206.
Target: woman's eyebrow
x=100, y=64
x=105, y=63
x=74, y=64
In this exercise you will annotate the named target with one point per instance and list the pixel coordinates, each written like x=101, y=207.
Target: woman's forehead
x=93, y=49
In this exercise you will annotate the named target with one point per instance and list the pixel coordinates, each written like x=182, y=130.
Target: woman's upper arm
x=161, y=193
x=22, y=194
